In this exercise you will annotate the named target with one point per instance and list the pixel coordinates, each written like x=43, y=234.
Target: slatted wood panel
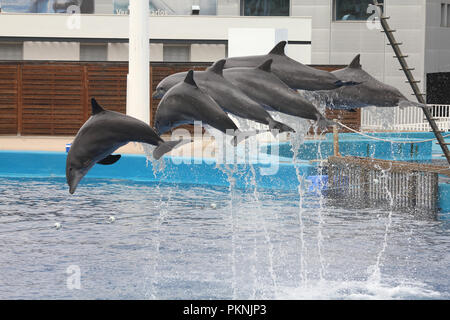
x=350, y=119
x=8, y=98
x=108, y=85
x=52, y=99
x=49, y=98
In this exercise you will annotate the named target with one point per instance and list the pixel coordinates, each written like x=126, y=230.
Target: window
x=443, y=12
x=448, y=15
x=48, y=6
x=265, y=7
x=11, y=51
x=93, y=52
x=176, y=53
x=345, y=10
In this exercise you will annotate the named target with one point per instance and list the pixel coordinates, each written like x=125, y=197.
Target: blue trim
x=136, y=167
x=38, y=164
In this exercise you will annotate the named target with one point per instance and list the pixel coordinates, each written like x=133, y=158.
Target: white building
x=319, y=32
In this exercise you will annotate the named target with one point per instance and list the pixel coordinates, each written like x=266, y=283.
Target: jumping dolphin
x=100, y=135
x=295, y=74
x=264, y=87
x=228, y=96
x=168, y=82
x=185, y=103
x=370, y=91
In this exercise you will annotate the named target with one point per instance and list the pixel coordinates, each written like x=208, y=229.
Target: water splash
x=322, y=270
x=301, y=127
x=157, y=165
x=400, y=289
x=229, y=170
x=270, y=249
x=375, y=270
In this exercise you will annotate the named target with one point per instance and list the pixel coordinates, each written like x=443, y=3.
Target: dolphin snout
x=73, y=181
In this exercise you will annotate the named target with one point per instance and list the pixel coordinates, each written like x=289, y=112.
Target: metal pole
x=138, y=91
x=407, y=70
x=336, y=141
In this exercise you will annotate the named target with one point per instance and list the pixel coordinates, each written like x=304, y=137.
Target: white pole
x=138, y=94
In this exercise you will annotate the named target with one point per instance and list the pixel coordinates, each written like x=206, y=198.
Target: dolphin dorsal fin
x=265, y=66
x=96, y=108
x=279, y=48
x=217, y=67
x=355, y=64
x=190, y=78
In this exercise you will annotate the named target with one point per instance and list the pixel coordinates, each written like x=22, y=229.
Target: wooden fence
x=53, y=98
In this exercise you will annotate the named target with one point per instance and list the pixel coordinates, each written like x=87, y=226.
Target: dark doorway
x=438, y=88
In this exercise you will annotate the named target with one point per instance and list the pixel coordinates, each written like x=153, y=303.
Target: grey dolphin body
x=370, y=91
x=264, y=87
x=228, y=96
x=168, y=82
x=102, y=134
x=185, y=103
x=295, y=74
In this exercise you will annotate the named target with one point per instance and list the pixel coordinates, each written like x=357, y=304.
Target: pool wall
x=136, y=167
x=176, y=170
x=351, y=144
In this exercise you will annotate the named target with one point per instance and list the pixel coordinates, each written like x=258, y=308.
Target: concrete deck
x=58, y=143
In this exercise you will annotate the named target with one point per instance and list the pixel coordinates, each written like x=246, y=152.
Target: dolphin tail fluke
x=341, y=83
x=324, y=123
x=281, y=127
x=167, y=146
x=243, y=135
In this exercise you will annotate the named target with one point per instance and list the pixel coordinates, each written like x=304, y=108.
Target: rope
x=385, y=140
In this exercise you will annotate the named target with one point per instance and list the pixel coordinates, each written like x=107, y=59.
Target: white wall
x=45, y=50
x=437, y=53
x=253, y=41
x=337, y=42
x=228, y=7
x=320, y=10
x=156, y=52
x=161, y=27
x=118, y=51
x=207, y=52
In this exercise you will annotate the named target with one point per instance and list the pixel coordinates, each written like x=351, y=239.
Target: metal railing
x=408, y=119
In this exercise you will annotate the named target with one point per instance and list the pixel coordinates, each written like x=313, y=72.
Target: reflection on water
x=172, y=241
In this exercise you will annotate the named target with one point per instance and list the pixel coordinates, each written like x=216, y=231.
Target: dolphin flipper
x=281, y=127
x=111, y=159
x=323, y=123
x=167, y=146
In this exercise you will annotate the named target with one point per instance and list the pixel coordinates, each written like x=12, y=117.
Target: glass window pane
x=48, y=6
x=346, y=10
x=448, y=15
x=443, y=22
x=265, y=7
x=176, y=53
x=11, y=51
x=93, y=52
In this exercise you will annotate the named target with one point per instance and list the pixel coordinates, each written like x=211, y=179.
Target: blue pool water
x=172, y=241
